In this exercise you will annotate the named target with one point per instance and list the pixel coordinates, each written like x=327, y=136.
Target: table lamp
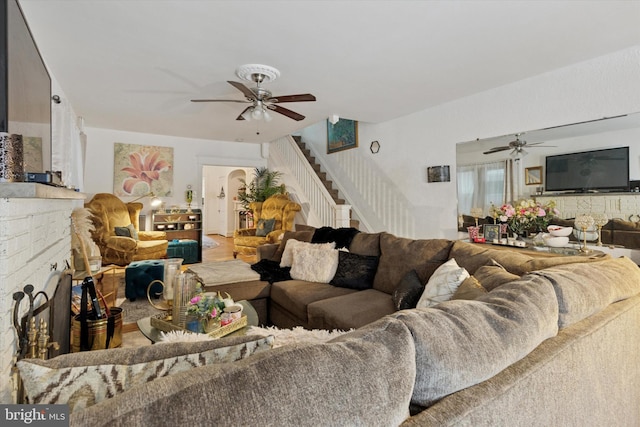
x=155, y=201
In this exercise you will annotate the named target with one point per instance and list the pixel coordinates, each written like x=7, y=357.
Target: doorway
x=220, y=185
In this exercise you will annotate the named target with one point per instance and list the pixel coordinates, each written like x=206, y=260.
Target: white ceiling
x=135, y=64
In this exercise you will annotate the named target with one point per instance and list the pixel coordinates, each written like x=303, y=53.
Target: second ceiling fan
x=518, y=147
x=261, y=99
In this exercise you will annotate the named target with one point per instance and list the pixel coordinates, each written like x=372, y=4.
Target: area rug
x=132, y=311
x=209, y=243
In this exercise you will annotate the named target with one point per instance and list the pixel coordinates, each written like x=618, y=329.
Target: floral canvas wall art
x=140, y=169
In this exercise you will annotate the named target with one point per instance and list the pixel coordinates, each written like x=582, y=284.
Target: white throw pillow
x=442, y=284
x=314, y=263
x=287, y=254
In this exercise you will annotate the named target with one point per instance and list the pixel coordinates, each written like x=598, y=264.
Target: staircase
x=308, y=185
x=316, y=167
x=328, y=184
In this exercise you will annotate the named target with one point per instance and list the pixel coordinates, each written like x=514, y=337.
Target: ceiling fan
x=518, y=147
x=261, y=100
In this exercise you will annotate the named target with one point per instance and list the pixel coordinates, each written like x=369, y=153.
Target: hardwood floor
x=223, y=251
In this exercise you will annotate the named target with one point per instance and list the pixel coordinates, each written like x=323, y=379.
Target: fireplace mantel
x=34, y=190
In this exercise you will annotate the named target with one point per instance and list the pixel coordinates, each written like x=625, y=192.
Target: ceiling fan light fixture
x=256, y=113
x=266, y=116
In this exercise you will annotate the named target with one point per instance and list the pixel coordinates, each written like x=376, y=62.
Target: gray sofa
x=548, y=345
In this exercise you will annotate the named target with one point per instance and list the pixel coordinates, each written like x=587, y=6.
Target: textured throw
x=221, y=272
x=81, y=386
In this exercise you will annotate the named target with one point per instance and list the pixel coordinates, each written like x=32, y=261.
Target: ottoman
x=139, y=274
x=185, y=249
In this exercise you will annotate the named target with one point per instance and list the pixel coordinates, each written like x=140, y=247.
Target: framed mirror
x=533, y=175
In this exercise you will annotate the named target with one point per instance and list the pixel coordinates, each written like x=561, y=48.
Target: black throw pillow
x=355, y=271
x=408, y=291
x=342, y=236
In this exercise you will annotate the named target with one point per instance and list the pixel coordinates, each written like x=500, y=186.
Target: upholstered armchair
x=117, y=232
x=272, y=218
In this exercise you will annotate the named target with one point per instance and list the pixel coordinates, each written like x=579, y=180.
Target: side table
x=153, y=334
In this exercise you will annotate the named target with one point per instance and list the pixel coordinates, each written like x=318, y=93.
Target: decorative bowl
x=559, y=231
x=555, y=241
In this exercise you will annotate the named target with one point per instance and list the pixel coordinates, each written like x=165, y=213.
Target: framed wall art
x=342, y=135
x=438, y=174
x=533, y=175
x=491, y=232
x=140, y=169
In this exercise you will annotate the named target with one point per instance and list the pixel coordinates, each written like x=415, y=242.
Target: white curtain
x=480, y=185
x=68, y=145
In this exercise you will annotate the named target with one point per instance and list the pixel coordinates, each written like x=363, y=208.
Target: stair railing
x=318, y=205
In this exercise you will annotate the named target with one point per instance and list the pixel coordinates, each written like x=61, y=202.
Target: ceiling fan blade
x=497, y=149
x=219, y=100
x=243, y=111
x=285, y=112
x=242, y=88
x=293, y=98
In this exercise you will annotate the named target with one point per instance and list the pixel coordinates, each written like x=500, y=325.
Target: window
x=480, y=185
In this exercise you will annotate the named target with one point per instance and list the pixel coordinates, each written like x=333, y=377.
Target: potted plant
x=265, y=183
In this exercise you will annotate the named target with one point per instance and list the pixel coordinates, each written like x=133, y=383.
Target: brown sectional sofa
x=323, y=306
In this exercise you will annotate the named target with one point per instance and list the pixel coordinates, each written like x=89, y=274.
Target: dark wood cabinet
x=180, y=224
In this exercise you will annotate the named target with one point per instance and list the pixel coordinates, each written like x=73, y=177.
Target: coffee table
x=153, y=334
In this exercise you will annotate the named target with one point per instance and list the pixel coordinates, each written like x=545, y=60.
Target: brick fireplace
x=35, y=246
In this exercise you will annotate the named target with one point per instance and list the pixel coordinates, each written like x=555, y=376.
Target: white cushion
x=442, y=284
x=314, y=263
x=287, y=254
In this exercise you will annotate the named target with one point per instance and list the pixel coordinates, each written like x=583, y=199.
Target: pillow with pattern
x=408, y=292
x=82, y=379
x=265, y=226
x=355, y=271
x=442, y=284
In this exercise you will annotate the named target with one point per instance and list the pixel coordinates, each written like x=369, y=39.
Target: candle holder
x=600, y=220
x=583, y=222
x=476, y=213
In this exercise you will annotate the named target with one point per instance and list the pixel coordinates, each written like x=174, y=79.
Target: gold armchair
x=277, y=208
x=111, y=216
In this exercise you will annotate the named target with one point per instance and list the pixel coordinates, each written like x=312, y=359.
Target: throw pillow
x=314, y=263
x=493, y=275
x=65, y=379
x=469, y=289
x=341, y=236
x=301, y=236
x=133, y=232
x=442, y=284
x=287, y=255
x=408, y=292
x=355, y=271
x=122, y=231
x=265, y=226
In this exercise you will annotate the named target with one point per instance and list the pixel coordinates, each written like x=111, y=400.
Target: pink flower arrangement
x=525, y=215
x=205, y=306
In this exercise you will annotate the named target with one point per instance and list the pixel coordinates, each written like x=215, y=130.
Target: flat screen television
x=25, y=88
x=588, y=171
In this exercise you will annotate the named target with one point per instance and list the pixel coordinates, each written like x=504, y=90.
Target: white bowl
x=556, y=241
x=559, y=231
